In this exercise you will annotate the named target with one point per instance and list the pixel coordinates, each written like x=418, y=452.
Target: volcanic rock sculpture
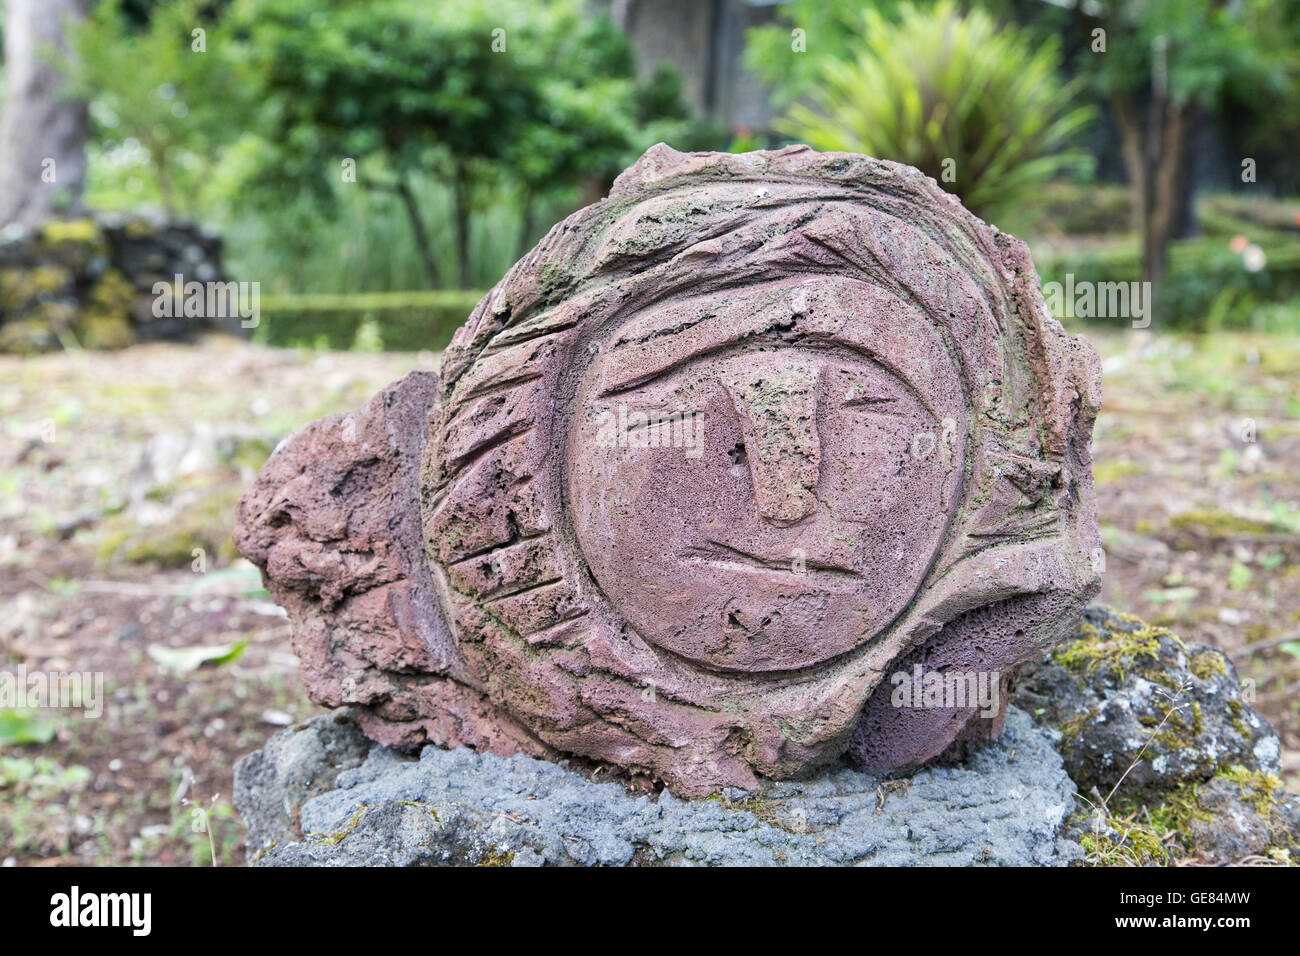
x=720, y=466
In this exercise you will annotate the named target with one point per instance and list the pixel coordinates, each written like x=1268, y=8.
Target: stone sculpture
x=725, y=460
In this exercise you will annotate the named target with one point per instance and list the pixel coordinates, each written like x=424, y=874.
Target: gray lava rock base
x=355, y=803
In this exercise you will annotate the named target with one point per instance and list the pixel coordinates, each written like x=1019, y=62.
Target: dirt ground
x=120, y=473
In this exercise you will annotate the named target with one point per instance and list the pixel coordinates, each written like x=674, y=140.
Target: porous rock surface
x=1121, y=688
x=321, y=794
x=711, y=464
x=1124, y=703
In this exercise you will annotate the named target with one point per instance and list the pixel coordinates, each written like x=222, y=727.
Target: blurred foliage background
x=398, y=146
x=368, y=147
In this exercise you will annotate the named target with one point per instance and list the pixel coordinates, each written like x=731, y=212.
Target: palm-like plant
x=940, y=85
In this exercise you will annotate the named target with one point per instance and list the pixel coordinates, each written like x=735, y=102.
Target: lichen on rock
x=321, y=794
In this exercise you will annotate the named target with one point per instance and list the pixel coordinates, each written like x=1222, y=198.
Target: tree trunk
x=1185, y=224
x=1166, y=174
x=1134, y=156
x=42, y=135
x=460, y=198
x=1154, y=158
x=403, y=190
x=526, y=221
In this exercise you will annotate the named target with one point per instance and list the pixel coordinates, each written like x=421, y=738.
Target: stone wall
x=89, y=282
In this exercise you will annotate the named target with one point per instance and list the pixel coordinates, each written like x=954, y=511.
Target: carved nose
x=776, y=402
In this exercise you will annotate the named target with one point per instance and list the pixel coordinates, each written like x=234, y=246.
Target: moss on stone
x=1072, y=730
x=1216, y=523
x=105, y=318
x=1180, y=725
x=1235, y=711
x=495, y=858
x=1123, y=843
x=71, y=230
x=334, y=839
x=1206, y=663
x=1117, y=650
x=204, y=524
x=1171, y=819
x=417, y=805
x=554, y=280
x=1173, y=816
x=1258, y=788
x=21, y=288
x=76, y=243
x=1181, y=803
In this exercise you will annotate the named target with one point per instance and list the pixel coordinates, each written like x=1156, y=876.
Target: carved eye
x=870, y=403
x=863, y=391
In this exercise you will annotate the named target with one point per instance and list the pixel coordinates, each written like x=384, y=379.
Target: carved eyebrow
x=676, y=334
x=612, y=386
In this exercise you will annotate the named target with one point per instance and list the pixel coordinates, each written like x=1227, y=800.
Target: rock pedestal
x=322, y=794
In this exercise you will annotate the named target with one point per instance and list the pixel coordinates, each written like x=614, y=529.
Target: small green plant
x=213, y=830
x=25, y=727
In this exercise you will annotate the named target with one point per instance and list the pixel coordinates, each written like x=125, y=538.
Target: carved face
x=728, y=447
x=765, y=505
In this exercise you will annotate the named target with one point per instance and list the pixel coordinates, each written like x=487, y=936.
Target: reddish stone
x=709, y=473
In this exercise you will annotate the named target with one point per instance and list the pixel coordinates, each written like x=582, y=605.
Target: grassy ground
x=98, y=535
x=1197, y=462
x=118, y=486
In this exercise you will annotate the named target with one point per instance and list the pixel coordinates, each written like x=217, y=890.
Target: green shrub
x=393, y=321
x=1229, y=214
x=1073, y=209
x=940, y=86
x=1208, y=286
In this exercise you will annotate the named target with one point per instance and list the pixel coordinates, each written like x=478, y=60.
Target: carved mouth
x=728, y=557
